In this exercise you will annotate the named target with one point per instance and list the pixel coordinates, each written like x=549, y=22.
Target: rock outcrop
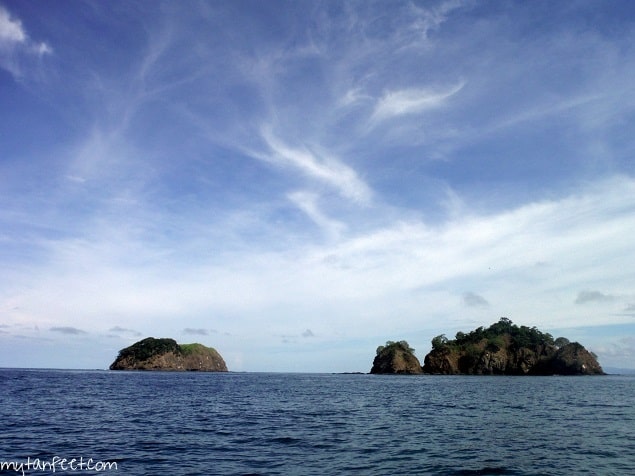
x=166, y=354
x=571, y=359
x=506, y=349
x=396, y=358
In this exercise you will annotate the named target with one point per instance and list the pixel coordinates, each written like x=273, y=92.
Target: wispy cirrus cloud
x=308, y=203
x=411, y=101
x=320, y=167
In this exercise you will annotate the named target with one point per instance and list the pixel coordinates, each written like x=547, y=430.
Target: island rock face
x=506, y=349
x=396, y=358
x=166, y=354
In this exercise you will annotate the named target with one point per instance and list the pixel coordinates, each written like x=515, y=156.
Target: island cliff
x=166, y=354
x=396, y=358
x=507, y=349
x=502, y=349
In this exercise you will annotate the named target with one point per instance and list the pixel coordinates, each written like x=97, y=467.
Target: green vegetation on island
x=396, y=358
x=166, y=354
x=501, y=349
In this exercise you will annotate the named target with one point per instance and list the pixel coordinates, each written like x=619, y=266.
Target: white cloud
x=353, y=96
x=307, y=202
x=15, y=44
x=42, y=49
x=411, y=101
x=401, y=278
x=322, y=168
x=11, y=30
x=419, y=20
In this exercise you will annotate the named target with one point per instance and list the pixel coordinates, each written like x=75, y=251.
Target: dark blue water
x=314, y=424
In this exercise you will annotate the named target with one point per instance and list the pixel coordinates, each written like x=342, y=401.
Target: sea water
x=160, y=423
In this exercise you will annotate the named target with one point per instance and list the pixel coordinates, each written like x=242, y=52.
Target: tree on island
x=520, y=336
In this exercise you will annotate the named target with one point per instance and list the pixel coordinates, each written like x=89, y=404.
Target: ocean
x=155, y=423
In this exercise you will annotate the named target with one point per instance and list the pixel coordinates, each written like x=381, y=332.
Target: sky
x=296, y=183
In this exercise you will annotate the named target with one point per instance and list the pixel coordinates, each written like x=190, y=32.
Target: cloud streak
x=411, y=101
x=308, y=203
x=67, y=330
x=321, y=168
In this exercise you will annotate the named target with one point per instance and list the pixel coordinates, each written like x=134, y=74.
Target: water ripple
x=277, y=424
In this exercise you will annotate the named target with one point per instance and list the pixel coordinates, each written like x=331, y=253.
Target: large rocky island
x=502, y=349
x=166, y=354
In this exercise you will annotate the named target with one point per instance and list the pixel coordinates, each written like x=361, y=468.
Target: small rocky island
x=502, y=349
x=166, y=354
x=396, y=358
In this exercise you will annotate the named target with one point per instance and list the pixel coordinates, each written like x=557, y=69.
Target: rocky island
x=396, y=358
x=166, y=354
x=502, y=349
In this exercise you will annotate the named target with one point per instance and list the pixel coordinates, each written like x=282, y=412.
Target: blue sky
x=294, y=183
